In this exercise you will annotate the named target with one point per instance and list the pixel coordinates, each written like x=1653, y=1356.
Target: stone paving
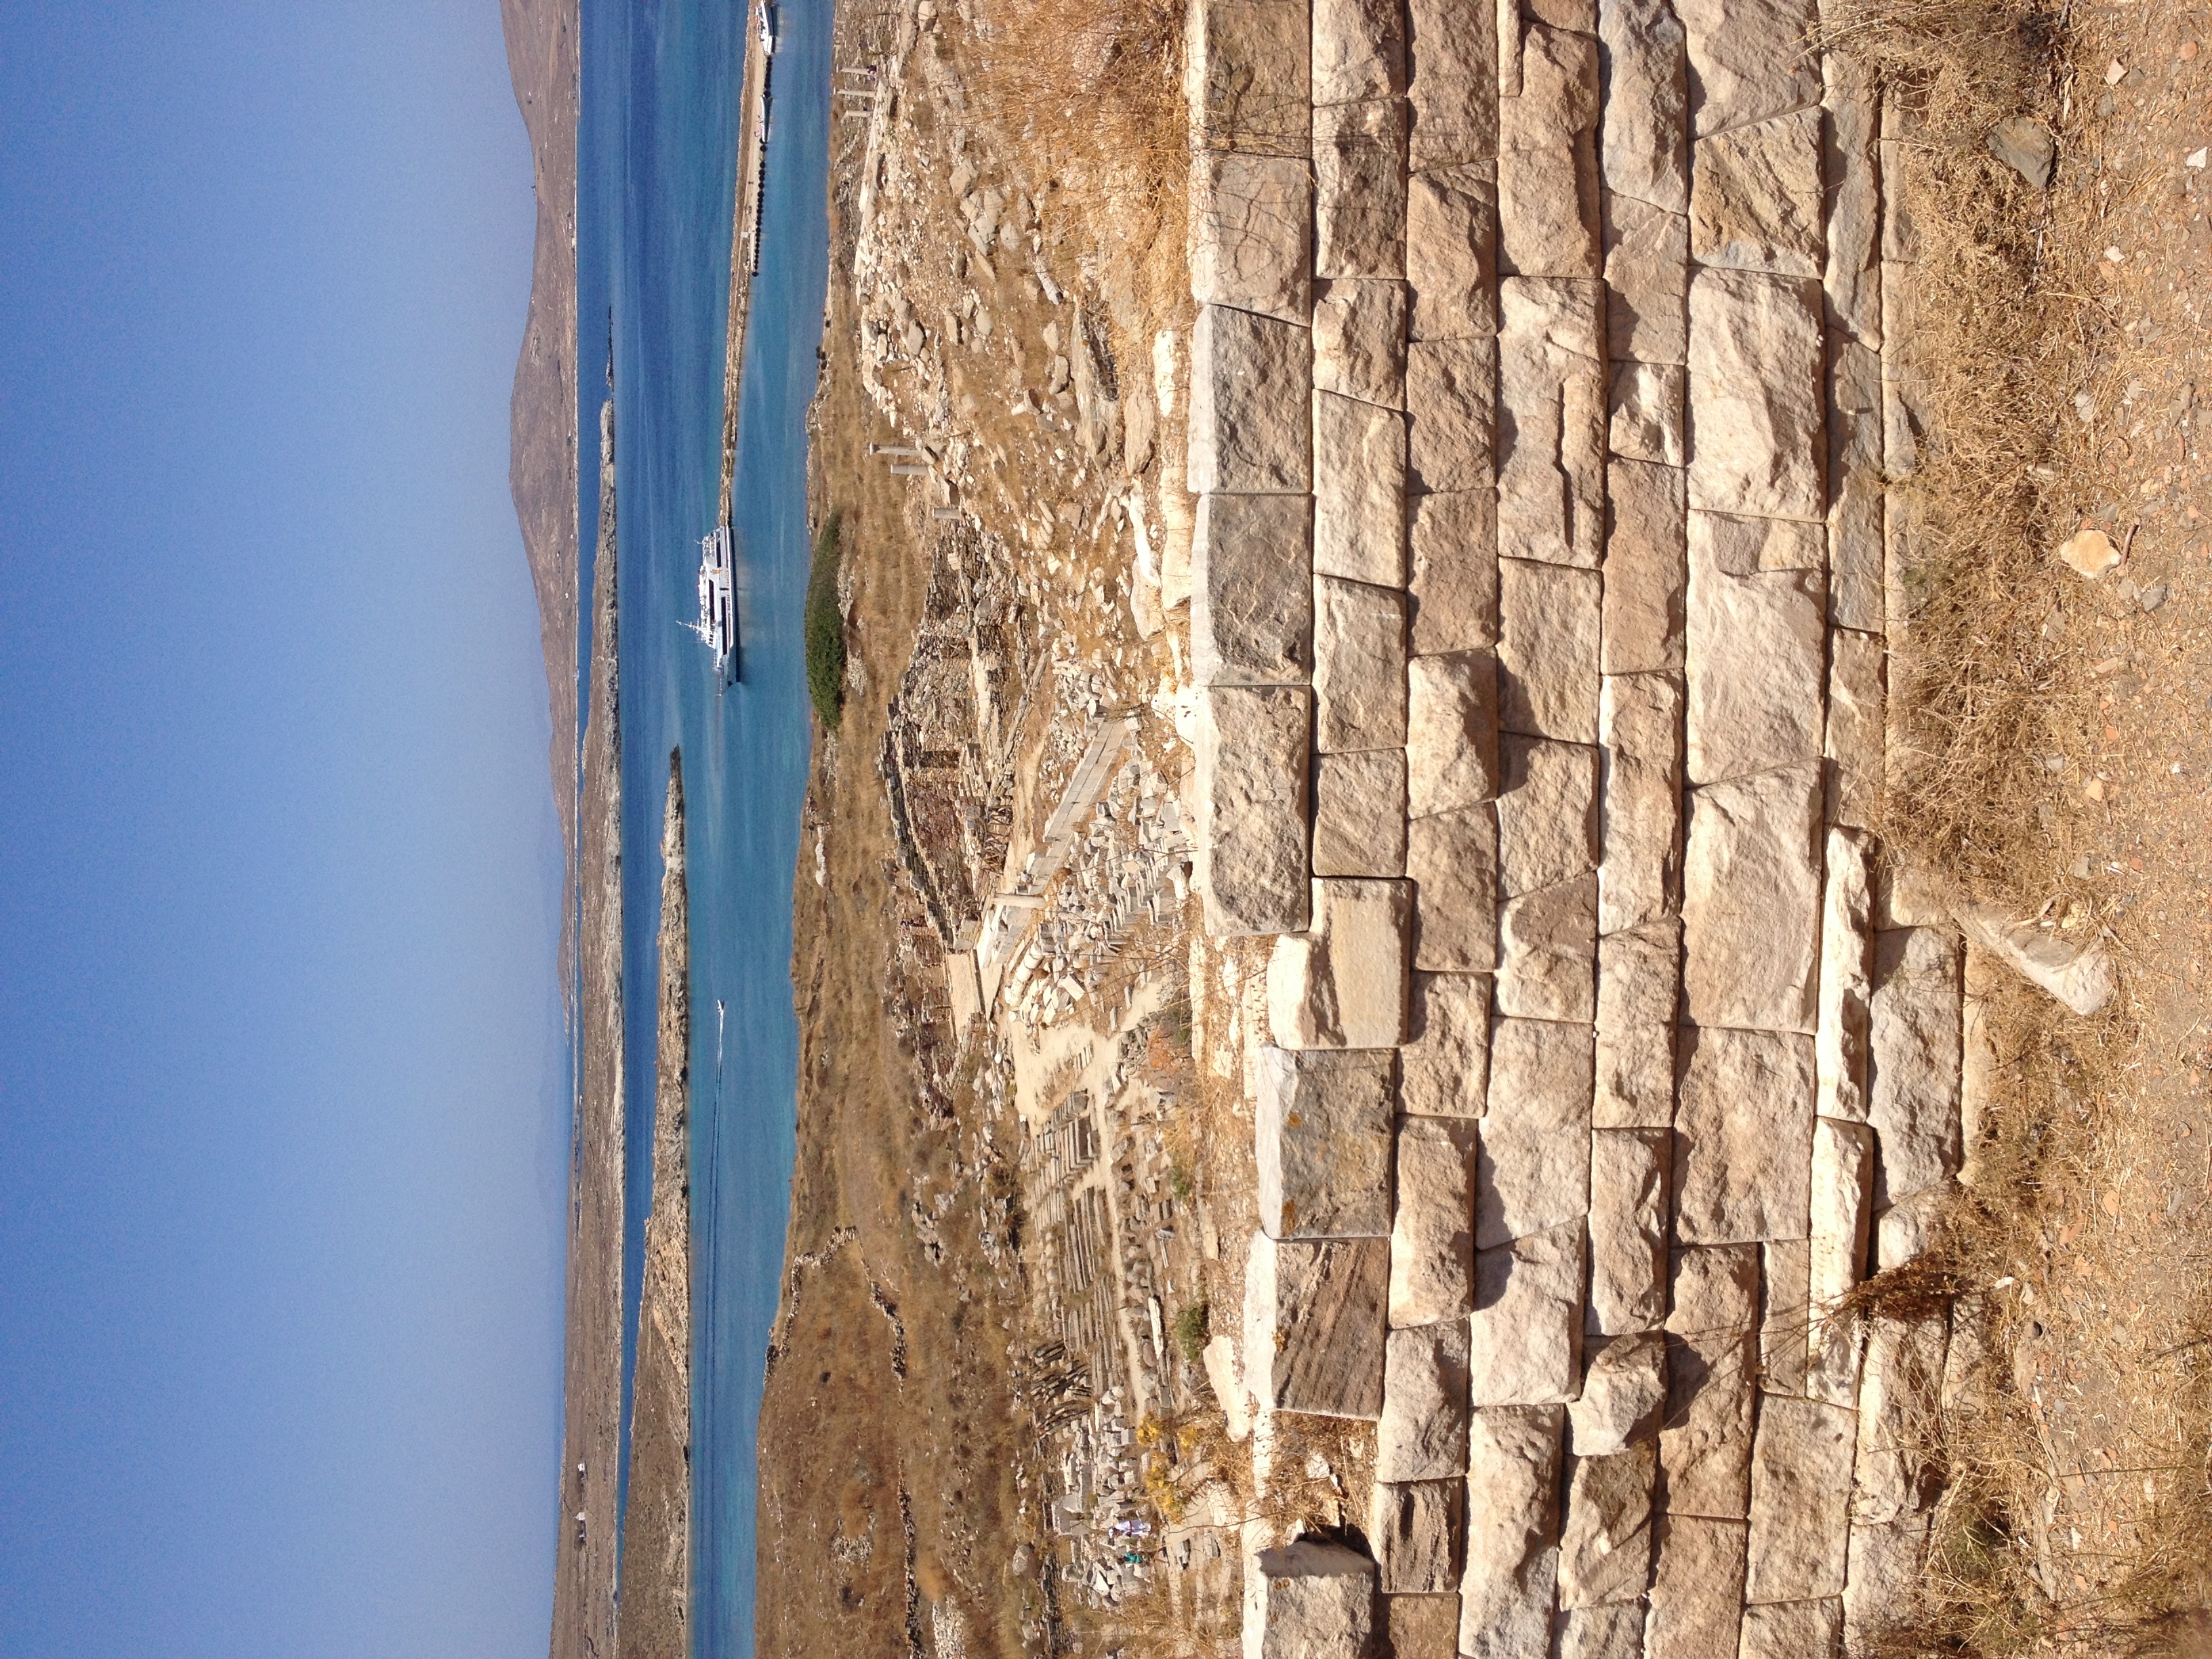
x=1545, y=380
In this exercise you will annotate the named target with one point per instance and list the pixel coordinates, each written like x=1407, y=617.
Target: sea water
x=657, y=172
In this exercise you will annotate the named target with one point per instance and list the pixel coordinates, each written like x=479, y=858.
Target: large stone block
x=1842, y=1208
x=1847, y=983
x=1855, y=488
x=1551, y=420
x=1785, y=1281
x=1547, y=952
x=1915, y=1023
x=1743, y=1136
x=1510, y=1588
x=1896, y=1473
x=1431, y=1230
x=1547, y=177
x=1312, y=1601
x=1360, y=341
x=1605, y=1541
x=1452, y=858
x=1755, y=201
x=1455, y=580
x=1712, y=1356
x=1359, y=189
x=1857, y=673
x=1250, y=236
x=1452, y=731
x=1451, y=251
x=1647, y=282
x=1696, y=1589
x=1883, y=1577
x=1642, y=63
x=1793, y=1630
x=1443, y=1070
x=1451, y=396
x=1420, y=1626
x=1540, y=1070
x=1645, y=568
x=1800, y=1499
x=1756, y=402
x=1359, y=490
x=1246, y=76
x=1359, y=666
x=1547, y=813
x=1252, y=755
x=1251, y=390
x=1359, y=813
x=1645, y=413
x=1640, y=733
x=1452, y=83
x=1533, y=1172
x=1324, y=1137
x=1623, y=1399
x=1639, y=977
x=1750, y=60
x=1757, y=650
x=1750, y=901
x=1628, y=1231
x=1251, y=590
x=1342, y=983
x=1416, y=1530
x=1524, y=1339
x=1853, y=180
x=1549, y=628
x=1314, y=1325
x=1608, y=1633
x=1359, y=50
x=1423, y=1432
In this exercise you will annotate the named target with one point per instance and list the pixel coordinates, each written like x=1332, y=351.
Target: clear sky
x=282, y=1139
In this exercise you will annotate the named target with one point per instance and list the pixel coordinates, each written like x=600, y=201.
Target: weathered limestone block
x=1756, y=402
x=1642, y=63
x=1509, y=1588
x=1644, y=422
x=1842, y=1205
x=1524, y=1340
x=1312, y=1599
x=1640, y=734
x=1697, y=1588
x=1451, y=251
x=1793, y=1630
x=1432, y=1233
x=1609, y=1632
x=1421, y=1626
x=1846, y=982
x=1712, y=1351
x=1912, y=1075
x=1547, y=183
x=1801, y=1492
x=1246, y=78
x=1451, y=731
x=1856, y=699
x=1756, y=656
x=1883, y=1576
x=1452, y=86
x=1547, y=803
x=1314, y=1330
x=1755, y=201
x=1855, y=488
x=1359, y=813
x=1342, y=983
x=1359, y=666
x=1451, y=396
x=1252, y=754
x=1547, y=952
x=1749, y=546
x=2079, y=975
x=1359, y=50
x=1250, y=242
x=1251, y=593
x=1452, y=858
x=1743, y=1136
x=1853, y=179
x=1551, y=420
x=1323, y=1135
x=1647, y=282
x=1539, y=1069
x=1359, y=189
x=1750, y=902
x=1749, y=59
x=1359, y=490
x=1549, y=628
x=1423, y=1433
x=1605, y=1540
x=1533, y=1170
x=1251, y=388
x=1639, y=978
x=1623, y=1399
x=1454, y=580
x=1785, y=1279
x=1628, y=1231
x=1645, y=567
x=1896, y=1474
x=1416, y=1531
x=1360, y=341
x=1907, y=1228
x=1443, y=1070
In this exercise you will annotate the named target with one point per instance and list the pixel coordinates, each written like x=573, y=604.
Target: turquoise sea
x=656, y=164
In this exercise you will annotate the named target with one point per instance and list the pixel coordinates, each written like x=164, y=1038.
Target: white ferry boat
x=717, y=626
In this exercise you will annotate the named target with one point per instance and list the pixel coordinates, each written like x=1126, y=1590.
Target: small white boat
x=717, y=627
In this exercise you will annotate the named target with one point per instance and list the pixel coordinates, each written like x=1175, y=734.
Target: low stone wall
x=1545, y=379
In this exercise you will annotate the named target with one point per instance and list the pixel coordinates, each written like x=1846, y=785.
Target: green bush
x=825, y=629
x=1190, y=1333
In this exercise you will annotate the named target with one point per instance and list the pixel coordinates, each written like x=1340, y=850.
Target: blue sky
x=282, y=1139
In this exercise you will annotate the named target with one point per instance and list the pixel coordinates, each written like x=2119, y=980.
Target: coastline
x=751, y=101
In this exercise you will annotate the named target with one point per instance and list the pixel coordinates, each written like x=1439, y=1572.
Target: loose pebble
x=2117, y=73
x=2152, y=597
x=2089, y=553
x=2196, y=158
